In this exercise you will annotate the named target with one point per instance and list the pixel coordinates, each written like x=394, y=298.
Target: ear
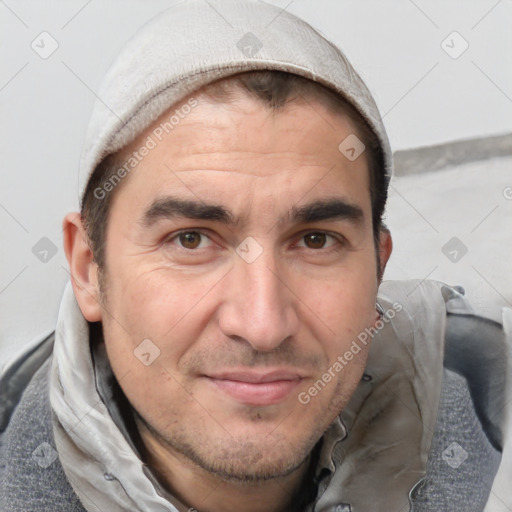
x=84, y=271
x=385, y=248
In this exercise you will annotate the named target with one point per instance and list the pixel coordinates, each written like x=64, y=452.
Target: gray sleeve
x=462, y=461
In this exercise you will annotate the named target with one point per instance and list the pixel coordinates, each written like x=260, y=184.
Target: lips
x=256, y=388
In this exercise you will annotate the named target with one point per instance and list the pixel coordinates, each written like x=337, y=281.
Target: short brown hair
x=274, y=89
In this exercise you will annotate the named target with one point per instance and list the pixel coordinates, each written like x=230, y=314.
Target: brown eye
x=315, y=240
x=190, y=239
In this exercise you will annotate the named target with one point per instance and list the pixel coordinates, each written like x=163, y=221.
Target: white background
x=426, y=97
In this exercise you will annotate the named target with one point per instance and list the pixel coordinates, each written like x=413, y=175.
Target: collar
x=329, y=450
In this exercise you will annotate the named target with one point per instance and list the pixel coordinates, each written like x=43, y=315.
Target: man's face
x=242, y=247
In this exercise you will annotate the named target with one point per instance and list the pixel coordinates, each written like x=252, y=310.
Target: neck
x=202, y=491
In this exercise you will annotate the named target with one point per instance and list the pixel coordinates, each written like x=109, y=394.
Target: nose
x=259, y=306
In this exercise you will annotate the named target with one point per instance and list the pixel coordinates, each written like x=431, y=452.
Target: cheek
x=154, y=321
x=345, y=304
x=167, y=307
x=347, y=308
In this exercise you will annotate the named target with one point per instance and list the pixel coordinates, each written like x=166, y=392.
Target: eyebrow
x=170, y=207
x=328, y=209
x=323, y=210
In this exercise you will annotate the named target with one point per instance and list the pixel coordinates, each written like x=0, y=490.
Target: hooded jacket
x=427, y=428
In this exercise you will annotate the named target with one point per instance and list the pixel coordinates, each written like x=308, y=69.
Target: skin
x=292, y=311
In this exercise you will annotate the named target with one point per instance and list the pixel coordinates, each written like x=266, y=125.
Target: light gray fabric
x=192, y=44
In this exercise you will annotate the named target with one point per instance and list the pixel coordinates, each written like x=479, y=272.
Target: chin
x=263, y=457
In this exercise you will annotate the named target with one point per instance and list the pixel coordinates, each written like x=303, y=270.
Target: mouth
x=256, y=388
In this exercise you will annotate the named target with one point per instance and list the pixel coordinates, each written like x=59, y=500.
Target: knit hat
x=194, y=43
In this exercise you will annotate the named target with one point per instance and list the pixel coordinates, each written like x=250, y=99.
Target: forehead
x=244, y=146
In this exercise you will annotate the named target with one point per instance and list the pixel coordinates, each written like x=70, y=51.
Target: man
x=222, y=345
